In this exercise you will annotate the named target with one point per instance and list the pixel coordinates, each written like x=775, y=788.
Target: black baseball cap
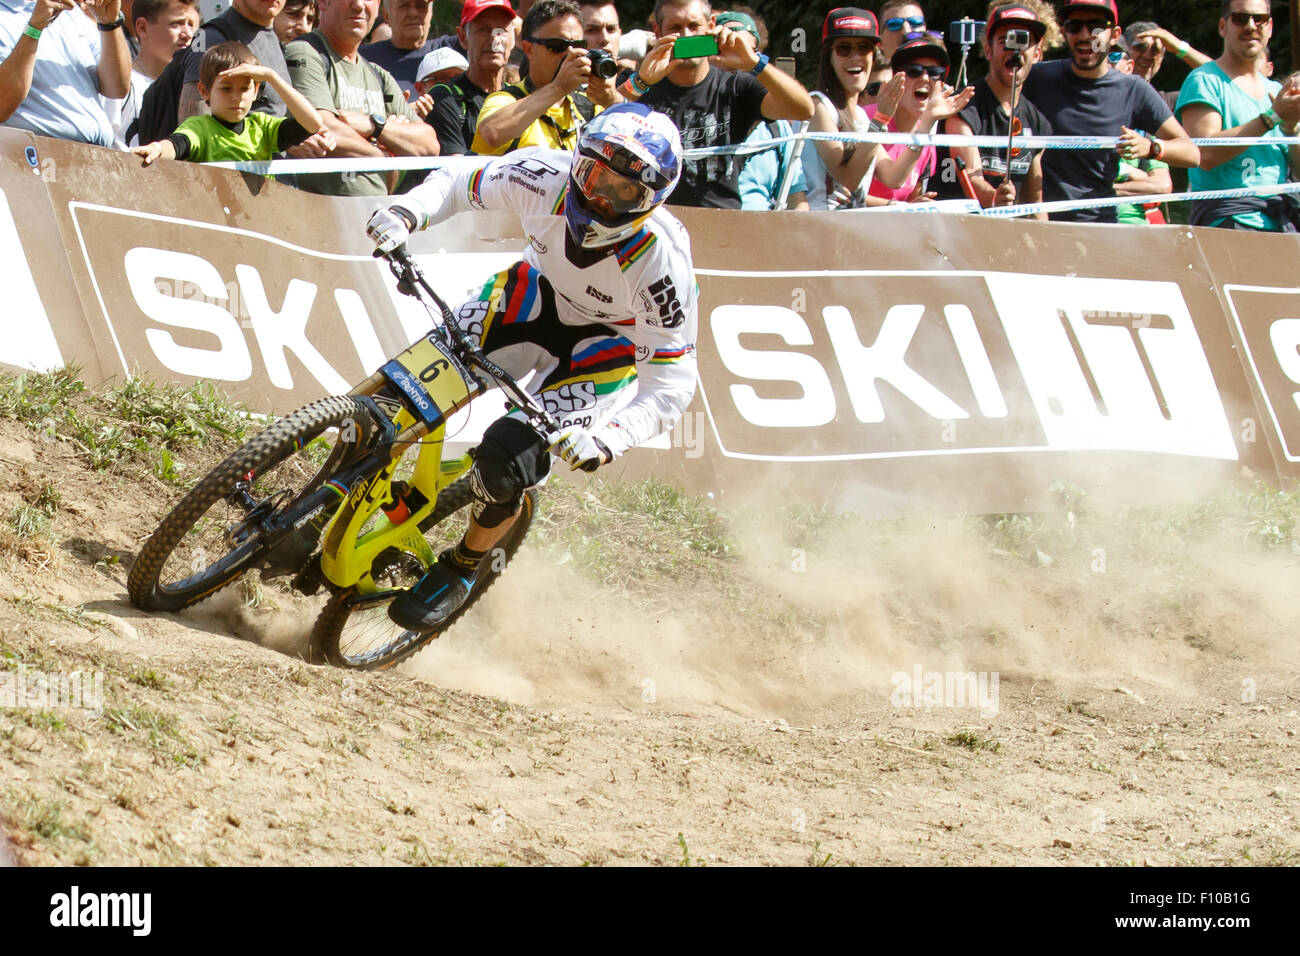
x=1016, y=16
x=916, y=45
x=851, y=22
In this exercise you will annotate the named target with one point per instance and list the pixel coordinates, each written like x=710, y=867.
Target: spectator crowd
x=311, y=79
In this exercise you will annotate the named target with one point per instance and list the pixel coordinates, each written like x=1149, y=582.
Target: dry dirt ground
x=1144, y=714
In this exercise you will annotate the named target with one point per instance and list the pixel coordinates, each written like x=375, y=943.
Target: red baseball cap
x=1016, y=17
x=1108, y=7
x=850, y=22
x=473, y=8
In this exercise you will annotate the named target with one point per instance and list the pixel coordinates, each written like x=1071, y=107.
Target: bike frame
x=432, y=380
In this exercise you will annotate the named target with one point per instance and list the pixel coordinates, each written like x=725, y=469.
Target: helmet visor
x=610, y=195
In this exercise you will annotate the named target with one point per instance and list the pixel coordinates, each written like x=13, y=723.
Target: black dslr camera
x=602, y=64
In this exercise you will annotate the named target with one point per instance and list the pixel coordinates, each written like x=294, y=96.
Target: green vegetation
x=136, y=423
x=973, y=741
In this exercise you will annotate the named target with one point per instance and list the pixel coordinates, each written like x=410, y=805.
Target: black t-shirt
x=261, y=40
x=1076, y=106
x=454, y=116
x=986, y=117
x=721, y=110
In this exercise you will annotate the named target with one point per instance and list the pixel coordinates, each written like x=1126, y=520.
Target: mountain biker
x=604, y=297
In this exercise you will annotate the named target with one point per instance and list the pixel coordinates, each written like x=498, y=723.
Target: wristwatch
x=115, y=25
x=377, y=120
x=1156, y=150
x=763, y=60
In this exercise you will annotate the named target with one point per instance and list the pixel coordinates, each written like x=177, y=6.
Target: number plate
x=435, y=384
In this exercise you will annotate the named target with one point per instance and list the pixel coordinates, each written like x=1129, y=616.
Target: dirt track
x=1142, y=715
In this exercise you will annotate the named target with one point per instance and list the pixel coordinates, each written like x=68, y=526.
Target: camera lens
x=602, y=64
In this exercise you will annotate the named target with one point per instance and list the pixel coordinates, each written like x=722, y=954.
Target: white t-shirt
x=123, y=112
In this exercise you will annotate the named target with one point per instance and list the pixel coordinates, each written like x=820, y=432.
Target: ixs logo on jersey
x=570, y=397
x=1268, y=320
x=882, y=366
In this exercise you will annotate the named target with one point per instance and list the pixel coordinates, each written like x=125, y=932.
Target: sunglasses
x=862, y=48
x=1085, y=26
x=914, y=71
x=557, y=45
x=1143, y=48
x=1116, y=56
x=894, y=24
x=1242, y=19
x=873, y=88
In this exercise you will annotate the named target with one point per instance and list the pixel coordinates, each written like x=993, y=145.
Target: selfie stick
x=1017, y=61
x=965, y=50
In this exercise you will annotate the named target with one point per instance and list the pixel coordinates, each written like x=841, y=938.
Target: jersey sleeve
x=526, y=181
x=189, y=132
x=667, y=330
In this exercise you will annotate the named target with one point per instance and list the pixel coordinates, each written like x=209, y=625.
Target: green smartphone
x=689, y=48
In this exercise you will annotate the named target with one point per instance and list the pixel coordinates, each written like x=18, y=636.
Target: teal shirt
x=1257, y=166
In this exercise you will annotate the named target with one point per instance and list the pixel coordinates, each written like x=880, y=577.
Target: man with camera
x=1083, y=96
x=549, y=108
x=487, y=33
x=711, y=107
x=1013, y=38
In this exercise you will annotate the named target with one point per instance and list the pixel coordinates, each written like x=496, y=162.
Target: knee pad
x=511, y=458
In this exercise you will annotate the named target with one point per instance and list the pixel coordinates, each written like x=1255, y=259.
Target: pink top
x=925, y=166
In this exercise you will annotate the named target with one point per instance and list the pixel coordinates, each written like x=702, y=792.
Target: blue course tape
x=291, y=166
x=1029, y=209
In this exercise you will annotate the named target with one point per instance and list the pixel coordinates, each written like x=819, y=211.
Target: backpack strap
x=317, y=43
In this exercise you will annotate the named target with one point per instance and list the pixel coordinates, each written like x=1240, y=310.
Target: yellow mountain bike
x=317, y=496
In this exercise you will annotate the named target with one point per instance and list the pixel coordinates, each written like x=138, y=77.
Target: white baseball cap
x=438, y=60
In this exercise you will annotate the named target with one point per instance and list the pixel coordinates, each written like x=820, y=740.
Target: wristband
x=883, y=119
x=31, y=31
x=915, y=148
x=1270, y=117
x=640, y=86
x=763, y=61
x=110, y=27
x=1182, y=49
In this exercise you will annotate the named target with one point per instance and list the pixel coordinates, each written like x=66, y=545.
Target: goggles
x=610, y=194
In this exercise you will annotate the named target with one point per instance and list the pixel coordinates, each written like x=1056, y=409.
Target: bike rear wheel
x=354, y=630
x=216, y=533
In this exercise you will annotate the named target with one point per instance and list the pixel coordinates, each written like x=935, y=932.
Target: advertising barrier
x=871, y=362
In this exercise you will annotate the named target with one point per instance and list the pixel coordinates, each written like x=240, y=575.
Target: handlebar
x=411, y=281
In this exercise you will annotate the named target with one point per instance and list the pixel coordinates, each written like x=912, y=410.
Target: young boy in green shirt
x=228, y=78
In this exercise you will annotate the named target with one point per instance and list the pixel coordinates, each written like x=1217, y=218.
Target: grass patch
x=972, y=741
x=163, y=731
x=46, y=819
x=147, y=677
x=137, y=423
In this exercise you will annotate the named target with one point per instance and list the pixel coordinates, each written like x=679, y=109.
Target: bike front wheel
x=354, y=629
x=216, y=532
